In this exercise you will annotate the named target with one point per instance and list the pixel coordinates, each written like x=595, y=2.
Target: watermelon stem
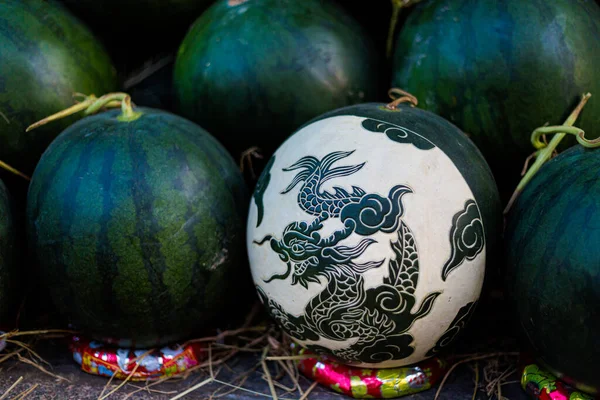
x=91, y=105
x=397, y=6
x=247, y=156
x=545, y=151
x=124, y=101
x=400, y=96
x=64, y=113
x=15, y=171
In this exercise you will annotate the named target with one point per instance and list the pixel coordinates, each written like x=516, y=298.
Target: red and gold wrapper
x=542, y=385
x=362, y=383
x=98, y=359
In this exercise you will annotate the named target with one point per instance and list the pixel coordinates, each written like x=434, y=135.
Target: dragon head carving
x=308, y=256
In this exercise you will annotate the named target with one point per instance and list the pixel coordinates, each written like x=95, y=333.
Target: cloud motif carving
x=467, y=237
x=398, y=133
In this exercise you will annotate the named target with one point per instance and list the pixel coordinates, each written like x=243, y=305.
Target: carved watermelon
x=138, y=228
x=369, y=232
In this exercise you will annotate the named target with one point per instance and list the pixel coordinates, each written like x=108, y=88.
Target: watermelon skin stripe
x=500, y=69
x=148, y=210
x=146, y=251
x=51, y=249
x=81, y=230
x=109, y=273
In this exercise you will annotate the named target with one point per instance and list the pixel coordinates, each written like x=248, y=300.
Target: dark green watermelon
x=8, y=255
x=122, y=24
x=500, y=69
x=252, y=71
x=553, y=265
x=47, y=55
x=138, y=228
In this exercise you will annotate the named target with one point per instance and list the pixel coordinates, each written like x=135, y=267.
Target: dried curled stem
x=400, y=96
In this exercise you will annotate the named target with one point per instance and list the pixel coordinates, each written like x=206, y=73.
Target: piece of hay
x=471, y=359
x=26, y=392
x=14, y=385
x=267, y=373
x=141, y=357
x=310, y=389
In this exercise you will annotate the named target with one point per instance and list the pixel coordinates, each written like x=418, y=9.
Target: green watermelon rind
x=138, y=227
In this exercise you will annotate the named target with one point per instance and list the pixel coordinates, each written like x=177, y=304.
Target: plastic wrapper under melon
x=542, y=385
x=362, y=383
x=136, y=365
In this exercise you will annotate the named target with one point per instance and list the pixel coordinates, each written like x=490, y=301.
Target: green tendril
x=545, y=151
x=570, y=130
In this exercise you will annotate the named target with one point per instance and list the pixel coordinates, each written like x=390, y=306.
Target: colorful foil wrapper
x=542, y=385
x=362, y=383
x=98, y=359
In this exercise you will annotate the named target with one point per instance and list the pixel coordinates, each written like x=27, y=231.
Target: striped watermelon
x=138, y=227
x=500, y=69
x=253, y=71
x=47, y=55
x=7, y=256
x=553, y=265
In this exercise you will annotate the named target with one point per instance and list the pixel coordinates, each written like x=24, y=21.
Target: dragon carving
x=370, y=324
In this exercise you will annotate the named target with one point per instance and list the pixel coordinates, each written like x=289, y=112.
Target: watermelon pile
x=140, y=142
